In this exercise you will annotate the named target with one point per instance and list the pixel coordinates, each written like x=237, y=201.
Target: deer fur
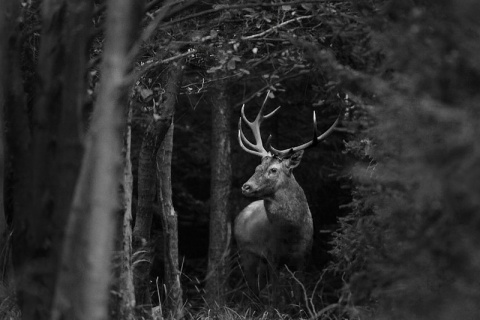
x=278, y=229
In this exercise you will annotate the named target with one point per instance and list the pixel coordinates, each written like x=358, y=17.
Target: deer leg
x=298, y=278
x=276, y=294
x=255, y=271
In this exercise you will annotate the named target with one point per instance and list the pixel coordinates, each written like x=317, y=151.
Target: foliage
x=409, y=243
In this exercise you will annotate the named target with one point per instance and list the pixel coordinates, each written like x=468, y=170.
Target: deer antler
x=257, y=147
x=316, y=139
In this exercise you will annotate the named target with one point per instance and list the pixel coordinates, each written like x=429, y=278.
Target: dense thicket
x=410, y=243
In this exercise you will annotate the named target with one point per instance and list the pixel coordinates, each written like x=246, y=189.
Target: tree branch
x=147, y=66
x=237, y=6
x=275, y=27
x=253, y=95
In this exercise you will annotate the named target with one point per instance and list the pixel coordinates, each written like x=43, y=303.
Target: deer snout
x=247, y=189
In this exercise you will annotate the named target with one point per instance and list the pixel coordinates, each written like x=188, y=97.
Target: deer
x=276, y=230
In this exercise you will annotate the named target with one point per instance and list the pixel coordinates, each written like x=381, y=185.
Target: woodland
x=121, y=165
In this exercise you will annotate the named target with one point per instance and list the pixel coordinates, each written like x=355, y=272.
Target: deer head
x=276, y=168
x=271, y=174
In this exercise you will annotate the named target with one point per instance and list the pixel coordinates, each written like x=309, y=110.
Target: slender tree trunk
x=70, y=132
x=47, y=168
x=82, y=291
x=9, y=11
x=123, y=297
x=153, y=137
x=126, y=280
x=13, y=104
x=143, y=220
x=174, y=301
x=221, y=176
x=4, y=243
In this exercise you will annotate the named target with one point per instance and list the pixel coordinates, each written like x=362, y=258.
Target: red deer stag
x=278, y=229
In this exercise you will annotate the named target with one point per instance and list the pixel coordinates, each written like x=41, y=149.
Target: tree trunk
x=33, y=225
x=174, y=301
x=13, y=103
x=123, y=293
x=82, y=290
x=10, y=93
x=127, y=289
x=4, y=243
x=46, y=170
x=221, y=176
x=153, y=137
x=70, y=132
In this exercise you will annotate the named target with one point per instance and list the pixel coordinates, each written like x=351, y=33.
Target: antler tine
x=257, y=147
x=242, y=113
x=316, y=139
x=315, y=130
x=241, y=138
x=271, y=113
x=260, y=116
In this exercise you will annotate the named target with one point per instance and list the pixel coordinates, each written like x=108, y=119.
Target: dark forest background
x=120, y=169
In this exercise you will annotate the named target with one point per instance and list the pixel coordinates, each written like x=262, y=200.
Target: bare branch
x=262, y=89
x=238, y=6
x=149, y=65
x=276, y=27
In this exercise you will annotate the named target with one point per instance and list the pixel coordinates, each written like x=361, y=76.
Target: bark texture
x=126, y=287
x=174, y=301
x=122, y=293
x=82, y=291
x=221, y=176
x=153, y=137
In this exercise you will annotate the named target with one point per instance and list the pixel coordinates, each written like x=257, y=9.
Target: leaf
x=213, y=69
x=249, y=10
x=307, y=6
x=231, y=64
x=286, y=7
x=245, y=71
x=145, y=93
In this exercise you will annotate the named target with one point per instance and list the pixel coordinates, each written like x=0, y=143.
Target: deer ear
x=294, y=159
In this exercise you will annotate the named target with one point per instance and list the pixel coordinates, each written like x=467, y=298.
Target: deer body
x=278, y=229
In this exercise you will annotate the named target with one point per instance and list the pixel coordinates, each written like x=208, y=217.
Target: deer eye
x=273, y=170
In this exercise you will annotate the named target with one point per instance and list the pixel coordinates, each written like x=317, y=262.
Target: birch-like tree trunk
x=153, y=137
x=174, y=301
x=82, y=290
x=221, y=178
x=123, y=297
x=126, y=277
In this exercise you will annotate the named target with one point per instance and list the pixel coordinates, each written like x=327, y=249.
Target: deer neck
x=288, y=205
